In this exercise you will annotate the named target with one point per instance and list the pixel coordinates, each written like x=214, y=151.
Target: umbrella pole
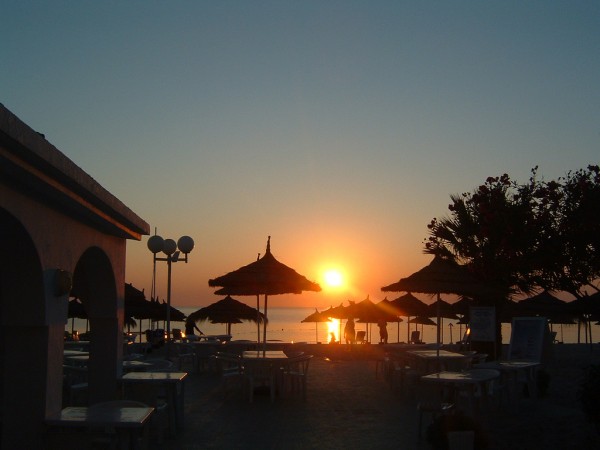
x=438, y=326
x=258, y=318
x=265, y=325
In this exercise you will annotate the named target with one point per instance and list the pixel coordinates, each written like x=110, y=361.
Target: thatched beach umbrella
x=266, y=276
x=542, y=304
x=441, y=276
x=409, y=306
x=393, y=313
x=422, y=320
x=228, y=311
x=76, y=310
x=368, y=312
x=316, y=317
x=442, y=310
x=585, y=308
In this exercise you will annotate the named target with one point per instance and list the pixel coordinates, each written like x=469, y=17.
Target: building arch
x=24, y=388
x=57, y=226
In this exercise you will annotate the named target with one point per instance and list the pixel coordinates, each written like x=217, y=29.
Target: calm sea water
x=285, y=324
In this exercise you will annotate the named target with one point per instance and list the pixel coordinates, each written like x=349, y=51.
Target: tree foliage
x=521, y=237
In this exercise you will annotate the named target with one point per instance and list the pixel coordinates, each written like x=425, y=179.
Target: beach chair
x=184, y=356
x=177, y=335
x=431, y=401
x=150, y=395
x=261, y=372
x=295, y=372
x=415, y=337
x=230, y=369
x=360, y=337
x=75, y=385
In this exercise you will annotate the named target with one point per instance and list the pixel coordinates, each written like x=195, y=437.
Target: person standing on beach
x=383, y=334
x=189, y=330
x=349, y=331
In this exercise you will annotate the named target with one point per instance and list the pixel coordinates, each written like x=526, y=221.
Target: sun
x=333, y=278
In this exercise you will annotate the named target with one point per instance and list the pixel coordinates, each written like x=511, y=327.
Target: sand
x=349, y=407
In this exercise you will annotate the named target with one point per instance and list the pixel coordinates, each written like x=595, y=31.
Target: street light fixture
x=172, y=250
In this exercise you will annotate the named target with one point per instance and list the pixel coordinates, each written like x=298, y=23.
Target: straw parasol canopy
x=316, y=317
x=544, y=304
x=392, y=311
x=409, y=306
x=368, y=312
x=441, y=276
x=76, y=310
x=422, y=320
x=266, y=276
x=227, y=311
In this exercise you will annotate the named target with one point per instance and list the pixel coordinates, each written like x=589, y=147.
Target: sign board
x=527, y=338
x=482, y=321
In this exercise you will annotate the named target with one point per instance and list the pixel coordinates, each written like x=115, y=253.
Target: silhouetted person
x=349, y=331
x=332, y=340
x=383, y=334
x=189, y=330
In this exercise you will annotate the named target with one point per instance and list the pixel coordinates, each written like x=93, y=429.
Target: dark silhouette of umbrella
x=461, y=307
x=586, y=308
x=316, y=317
x=368, y=312
x=441, y=276
x=442, y=310
x=136, y=304
x=542, y=304
x=266, y=276
x=422, y=320
x=228, y=311
x=76, y=310
x=409, y=306
x=339, y=312
x=392, y=311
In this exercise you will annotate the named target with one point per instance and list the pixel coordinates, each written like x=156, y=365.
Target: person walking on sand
x=383, y=334
x=349, y=331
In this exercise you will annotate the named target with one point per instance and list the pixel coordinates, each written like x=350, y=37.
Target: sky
x=338, y=128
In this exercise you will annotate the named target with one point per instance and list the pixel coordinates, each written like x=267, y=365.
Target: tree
x=523, y=237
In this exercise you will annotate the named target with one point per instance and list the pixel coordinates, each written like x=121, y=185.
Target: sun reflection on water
x=333, y=329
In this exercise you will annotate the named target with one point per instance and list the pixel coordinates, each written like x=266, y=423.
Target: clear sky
x=339, y=128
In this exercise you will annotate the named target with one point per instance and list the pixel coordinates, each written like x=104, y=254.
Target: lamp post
x=172, y=250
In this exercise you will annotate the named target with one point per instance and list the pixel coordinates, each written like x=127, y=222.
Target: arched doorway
x=94, y=284
x=24, y=338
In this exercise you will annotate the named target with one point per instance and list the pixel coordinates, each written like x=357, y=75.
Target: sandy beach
x=349, y=407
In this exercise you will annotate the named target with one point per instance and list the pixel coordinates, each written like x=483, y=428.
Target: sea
x=285, y=324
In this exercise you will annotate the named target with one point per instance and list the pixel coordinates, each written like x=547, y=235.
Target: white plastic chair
x=260, y=372
x=430, y=400
x=295, y=372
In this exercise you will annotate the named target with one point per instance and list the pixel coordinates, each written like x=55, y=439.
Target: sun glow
x=333, y=330
x=333, y=278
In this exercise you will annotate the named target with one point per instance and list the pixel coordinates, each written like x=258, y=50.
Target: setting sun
x=333, y=278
